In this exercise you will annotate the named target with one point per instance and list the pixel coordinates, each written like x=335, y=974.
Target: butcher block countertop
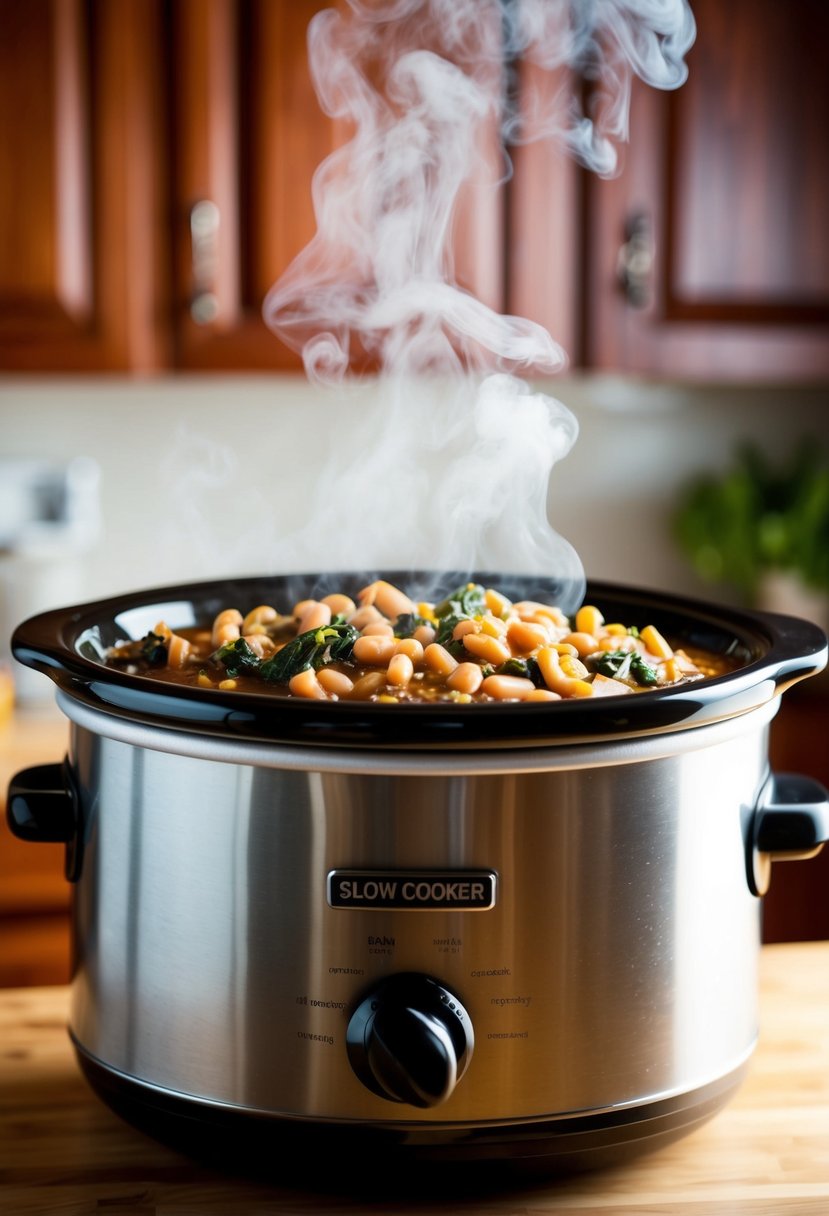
x=63, y=1153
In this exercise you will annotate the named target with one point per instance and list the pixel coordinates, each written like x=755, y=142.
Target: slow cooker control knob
x=410, y=1040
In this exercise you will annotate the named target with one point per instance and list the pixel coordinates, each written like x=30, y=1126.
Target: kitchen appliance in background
x=518, y=936
x=49, y=521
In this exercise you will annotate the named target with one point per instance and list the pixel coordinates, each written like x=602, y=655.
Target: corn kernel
x=497, y=604
x=655, y=642
x=588, y=619
x=572, y=667
x=492, y=626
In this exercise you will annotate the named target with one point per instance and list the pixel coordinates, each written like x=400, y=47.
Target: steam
x=448, y=461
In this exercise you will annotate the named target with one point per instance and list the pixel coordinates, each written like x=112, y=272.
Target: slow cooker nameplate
x=473, y=890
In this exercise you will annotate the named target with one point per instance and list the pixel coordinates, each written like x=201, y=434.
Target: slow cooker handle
x=42, y=807
x=790, y=822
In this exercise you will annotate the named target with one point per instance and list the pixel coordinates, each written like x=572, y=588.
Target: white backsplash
x=198, y=473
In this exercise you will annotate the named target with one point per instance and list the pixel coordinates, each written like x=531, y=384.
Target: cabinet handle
x=634, y=267
x=204, y=246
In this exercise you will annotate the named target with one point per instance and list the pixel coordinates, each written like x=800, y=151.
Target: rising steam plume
x=444, y=460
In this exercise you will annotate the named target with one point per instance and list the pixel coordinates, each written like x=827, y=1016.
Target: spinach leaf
x=623, y=665
x=153, y=649
x=467, y=601
x=463, y=604
x=527, y=668
x=407, y=623
x=445, y=629
x=237, y=657
x=314, y=648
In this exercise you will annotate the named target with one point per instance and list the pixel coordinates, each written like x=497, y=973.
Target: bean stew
x=473, y=646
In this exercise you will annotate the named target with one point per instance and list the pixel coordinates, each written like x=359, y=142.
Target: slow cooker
x=520, y=934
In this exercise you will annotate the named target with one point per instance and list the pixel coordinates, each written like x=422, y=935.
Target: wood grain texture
x=34, y=894
x=83, y=252
x=766, y=1154
x=726, y=172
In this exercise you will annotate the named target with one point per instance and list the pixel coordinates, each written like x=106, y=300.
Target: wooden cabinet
x=156, y=165
x=708, y=257
x=155, y=179
x=158, y=162
x=248, y=136
x=83, y=246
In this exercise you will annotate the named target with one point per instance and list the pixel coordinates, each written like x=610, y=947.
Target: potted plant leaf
x=762, y=528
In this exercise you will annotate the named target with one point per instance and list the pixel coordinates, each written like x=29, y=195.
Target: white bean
x=315, y=615
x=401, y=670
x=507, y=688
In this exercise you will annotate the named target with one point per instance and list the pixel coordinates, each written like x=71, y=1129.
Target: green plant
x=758, y=517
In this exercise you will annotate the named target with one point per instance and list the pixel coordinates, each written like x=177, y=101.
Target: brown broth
x=570, y=660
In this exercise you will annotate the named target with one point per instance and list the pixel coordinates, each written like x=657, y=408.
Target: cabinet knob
x=634, y=266
x=204, y=245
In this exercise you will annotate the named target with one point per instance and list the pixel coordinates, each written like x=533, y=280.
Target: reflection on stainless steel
x=617, y=964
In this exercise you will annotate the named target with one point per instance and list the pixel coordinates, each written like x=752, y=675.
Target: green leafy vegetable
x=153, y=649
x=527, y=668
x=464, y=604
x=467, y=601
x=446, y=628
x=623, y=665
x=237, y=657
x=407, y=623
x=314, y=648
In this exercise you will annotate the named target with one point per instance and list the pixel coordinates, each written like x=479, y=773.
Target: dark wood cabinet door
x=82, y=258
x=717, y=222
x=249, y=135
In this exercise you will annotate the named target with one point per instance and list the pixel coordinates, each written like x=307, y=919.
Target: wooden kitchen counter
x=63, y=1153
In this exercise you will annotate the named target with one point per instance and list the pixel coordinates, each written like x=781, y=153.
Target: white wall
x=243, y=452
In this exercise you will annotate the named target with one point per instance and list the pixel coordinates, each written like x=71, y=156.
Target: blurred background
x=156, y=159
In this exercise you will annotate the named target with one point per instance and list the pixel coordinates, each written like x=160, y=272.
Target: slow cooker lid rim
x=65, y=627
x=789, y=648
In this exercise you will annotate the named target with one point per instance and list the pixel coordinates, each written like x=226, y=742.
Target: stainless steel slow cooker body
x=543, y=950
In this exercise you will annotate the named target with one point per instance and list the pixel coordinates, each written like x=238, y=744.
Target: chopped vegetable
x=151, y=649
x=314, y=648
x=465, y=602
x=236, y=657
x=407, y=623
x=522, y=667
x=623, y=665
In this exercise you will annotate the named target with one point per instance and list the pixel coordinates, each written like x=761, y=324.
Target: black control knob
x=410, y=1040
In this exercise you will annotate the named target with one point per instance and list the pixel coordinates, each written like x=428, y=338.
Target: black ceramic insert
x=69, y=645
